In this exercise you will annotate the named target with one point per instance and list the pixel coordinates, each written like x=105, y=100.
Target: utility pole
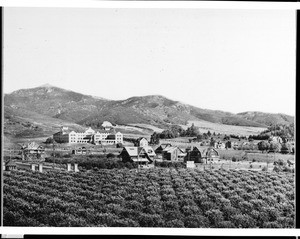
x=53, y=152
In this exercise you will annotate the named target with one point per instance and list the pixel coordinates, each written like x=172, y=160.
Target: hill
x=22, y=123
x=267, y=119
x=49, y=105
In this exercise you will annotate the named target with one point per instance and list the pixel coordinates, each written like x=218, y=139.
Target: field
x=204, y=126
x=158, y=197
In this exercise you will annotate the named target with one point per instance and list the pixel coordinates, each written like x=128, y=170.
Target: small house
x=32, y=151
x=276, y=139
x=141, y=142
x=173, y=153
x=234, y=145
x=10, y=166
x=141, y=155
x=162, y=147
x=210, y=154
x=107, y=125
x=81, y=151
x=219, y=145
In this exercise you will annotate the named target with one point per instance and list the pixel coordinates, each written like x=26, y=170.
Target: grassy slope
x=204, y=126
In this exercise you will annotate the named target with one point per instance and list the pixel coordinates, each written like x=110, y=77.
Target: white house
x=141, y=142
x=107, y=125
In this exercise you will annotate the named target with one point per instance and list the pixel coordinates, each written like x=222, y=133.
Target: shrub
x=264, y=168
x=110, y=155
x=288, y=169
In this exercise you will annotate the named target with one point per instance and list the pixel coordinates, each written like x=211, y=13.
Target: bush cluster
x=170, y=164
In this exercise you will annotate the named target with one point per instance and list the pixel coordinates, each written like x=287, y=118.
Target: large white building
x=105, y=136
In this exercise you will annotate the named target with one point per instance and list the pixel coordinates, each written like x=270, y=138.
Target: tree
x=177, y=130
x=154, y=139
x=167, y=134
x=50, y=140
x=208, y=133
x=228, y=144
x=263, y=146
x=192, y=131
x=199, y=137
x=286, y=148
x=226, y=137
x=212, y=142
x=274, y=147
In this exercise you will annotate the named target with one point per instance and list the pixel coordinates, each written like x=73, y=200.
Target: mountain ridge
x=87, y=110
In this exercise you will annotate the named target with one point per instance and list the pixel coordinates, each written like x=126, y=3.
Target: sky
x=219, y=59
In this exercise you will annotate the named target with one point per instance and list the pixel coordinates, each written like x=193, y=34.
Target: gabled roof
x=32, y=145
x=196, y=148
x=163, y=146
x=135, y=151
x=140, y=138
x=208, y=152
x=132, y=151
x=172, y=148
x=149, y=150
x=106, y=124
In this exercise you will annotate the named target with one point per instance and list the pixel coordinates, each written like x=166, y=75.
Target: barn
x=194, y=155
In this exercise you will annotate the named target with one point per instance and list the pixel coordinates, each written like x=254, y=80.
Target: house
x=276, y=139
x=161, y=147
x=107, y=125
x=32, y=151
x=141, y=155
x=82, y=150
x=291, y=162
x=219, y=145
x=234, y=145
x=173, y=153
x=210, y=154
x=10, y=166
x=194, y=155
x=141, y=142
x=62, y=136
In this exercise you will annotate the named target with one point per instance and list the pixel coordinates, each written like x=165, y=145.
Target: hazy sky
x=231, y=60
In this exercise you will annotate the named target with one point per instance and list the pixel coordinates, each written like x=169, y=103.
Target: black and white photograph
x=148, y=117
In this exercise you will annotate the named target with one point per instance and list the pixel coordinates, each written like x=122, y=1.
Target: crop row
x=150, y=198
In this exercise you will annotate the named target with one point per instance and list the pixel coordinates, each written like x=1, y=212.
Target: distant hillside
x=22, y=123
x=48, y=103
x=267, y=118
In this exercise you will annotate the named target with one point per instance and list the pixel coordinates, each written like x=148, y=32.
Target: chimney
x=68, y=167
x=40, y=167
x=76, y=167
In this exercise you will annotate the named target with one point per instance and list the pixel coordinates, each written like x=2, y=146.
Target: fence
x=40, y=167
